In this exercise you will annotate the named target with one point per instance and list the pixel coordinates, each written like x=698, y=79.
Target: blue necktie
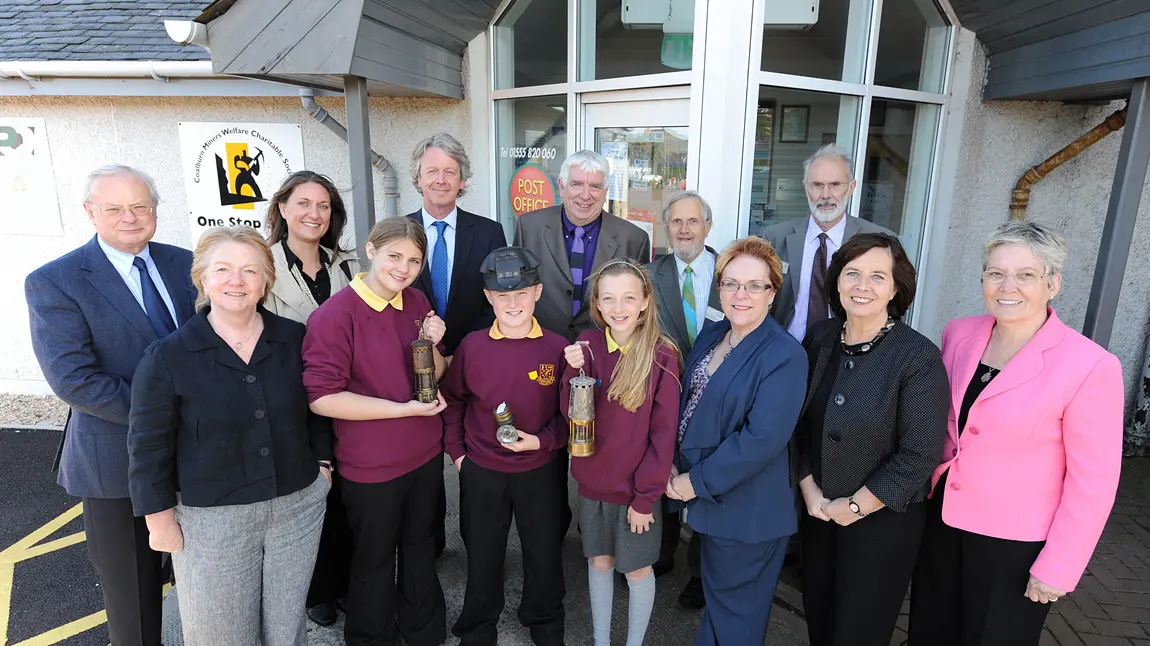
x=440, y=281
x=154, y=305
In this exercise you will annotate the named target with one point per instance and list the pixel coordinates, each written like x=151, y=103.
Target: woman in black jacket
x=226, y=463
x=867, y=443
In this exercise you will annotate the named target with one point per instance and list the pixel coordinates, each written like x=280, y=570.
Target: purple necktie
x=817, y=298
x=577, y=249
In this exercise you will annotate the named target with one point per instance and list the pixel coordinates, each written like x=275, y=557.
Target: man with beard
x=806, y=246
x=686, y=297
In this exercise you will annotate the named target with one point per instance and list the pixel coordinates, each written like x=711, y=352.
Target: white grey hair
x=830, y=150
x=678, y=197
x=112, y=170
x=447, y=144
x=1043, y=241
x=588, y=160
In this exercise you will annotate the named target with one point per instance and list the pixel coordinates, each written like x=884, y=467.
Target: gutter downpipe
x=390, y=178
x=1020, y=196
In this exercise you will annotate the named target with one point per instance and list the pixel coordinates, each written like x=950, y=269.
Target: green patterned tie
x=689, y=304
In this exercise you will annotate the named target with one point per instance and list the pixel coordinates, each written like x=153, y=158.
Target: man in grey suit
x=93, y=311
x=574, y=239
x=806, y=246
x=686, y=297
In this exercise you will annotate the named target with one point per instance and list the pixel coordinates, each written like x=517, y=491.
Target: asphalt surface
x=53, y=589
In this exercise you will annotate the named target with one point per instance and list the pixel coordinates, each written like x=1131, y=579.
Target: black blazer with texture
x=467, y=307
x=219, y=431
x=888, y=428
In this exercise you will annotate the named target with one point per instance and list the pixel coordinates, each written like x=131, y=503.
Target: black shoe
x=663, y=568
x=692, y=596
x=323, y=614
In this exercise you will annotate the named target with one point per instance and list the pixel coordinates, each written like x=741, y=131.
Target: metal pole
x=359, y=151
x=1129, y=179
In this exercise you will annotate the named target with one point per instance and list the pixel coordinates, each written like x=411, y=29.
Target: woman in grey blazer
x=867, y=443
x=305, y=219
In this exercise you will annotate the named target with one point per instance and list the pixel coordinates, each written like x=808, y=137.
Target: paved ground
x=49, y=593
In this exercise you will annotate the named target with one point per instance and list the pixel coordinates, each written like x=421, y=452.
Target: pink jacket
x=1042, y=450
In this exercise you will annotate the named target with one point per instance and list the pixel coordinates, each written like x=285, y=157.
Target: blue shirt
x=122, y=262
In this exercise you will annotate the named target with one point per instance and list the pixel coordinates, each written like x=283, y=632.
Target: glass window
x=825, y=39
x=648, y=166
x=895, y=186
x=531, y=44
x=530, y=145
x=912, y=46
x=791, y=125
x=633, y=38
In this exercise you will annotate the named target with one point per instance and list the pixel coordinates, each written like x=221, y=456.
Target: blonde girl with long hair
x=636, y=417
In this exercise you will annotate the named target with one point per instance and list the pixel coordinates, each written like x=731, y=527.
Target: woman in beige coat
x=305, y=220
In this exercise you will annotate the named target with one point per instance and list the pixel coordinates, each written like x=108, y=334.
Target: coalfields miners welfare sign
x=232, y=170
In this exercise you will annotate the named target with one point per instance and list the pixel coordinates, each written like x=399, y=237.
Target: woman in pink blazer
x=1031, y=460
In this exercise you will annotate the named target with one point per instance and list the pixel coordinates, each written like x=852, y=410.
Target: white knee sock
x=639, y=606
x=602, y=588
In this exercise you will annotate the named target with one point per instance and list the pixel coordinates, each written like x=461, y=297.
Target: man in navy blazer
x=457, y=243
x=93, y=311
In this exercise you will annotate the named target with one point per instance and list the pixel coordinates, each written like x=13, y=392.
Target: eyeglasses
x=138, y=210
x=1022, y=279
x=753, y=287
x=819, y=187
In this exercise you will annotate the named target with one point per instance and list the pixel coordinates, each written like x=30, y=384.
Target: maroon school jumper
x=358, y=342
x=488, y=369
x=633, y=451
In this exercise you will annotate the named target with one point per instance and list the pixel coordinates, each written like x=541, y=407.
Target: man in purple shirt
x=575, y=238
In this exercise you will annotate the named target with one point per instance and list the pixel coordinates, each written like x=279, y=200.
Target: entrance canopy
x=400, y=47
x=1062, y=50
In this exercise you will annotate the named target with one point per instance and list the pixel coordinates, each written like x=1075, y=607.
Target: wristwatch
x=854, y=506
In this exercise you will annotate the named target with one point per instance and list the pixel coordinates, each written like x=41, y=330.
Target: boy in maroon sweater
x=514, y=365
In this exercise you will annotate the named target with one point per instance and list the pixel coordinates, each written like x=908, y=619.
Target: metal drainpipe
x=390, y=178
x=1020, y=196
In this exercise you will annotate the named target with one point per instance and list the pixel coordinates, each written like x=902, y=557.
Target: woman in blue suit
x=745, y=382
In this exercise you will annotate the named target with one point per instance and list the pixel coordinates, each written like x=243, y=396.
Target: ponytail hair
x=629, y=380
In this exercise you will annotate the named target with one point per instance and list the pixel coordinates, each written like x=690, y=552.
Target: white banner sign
x=27, y=184
x=232, y=170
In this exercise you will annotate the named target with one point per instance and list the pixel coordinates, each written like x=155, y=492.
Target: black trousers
x=488, y=500
x=969, y=589
x=329, y=581
x=672, y=531
x=131, y=573
x=386, y=518
x=440, y=526
x=855, y=577
x=562, y=470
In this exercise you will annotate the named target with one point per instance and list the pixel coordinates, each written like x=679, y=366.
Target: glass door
x=646, y=144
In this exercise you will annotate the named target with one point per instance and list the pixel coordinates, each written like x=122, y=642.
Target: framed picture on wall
x=794, y=121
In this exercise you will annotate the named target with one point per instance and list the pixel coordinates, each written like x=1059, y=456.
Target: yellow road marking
x=44, y=548
x=69, y=629
x=44, y=532
x=6, y=571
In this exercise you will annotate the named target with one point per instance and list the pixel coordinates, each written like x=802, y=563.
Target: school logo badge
x=546, y=374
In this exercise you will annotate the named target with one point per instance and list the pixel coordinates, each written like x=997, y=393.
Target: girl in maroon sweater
x=358, y=370
x=636, y=417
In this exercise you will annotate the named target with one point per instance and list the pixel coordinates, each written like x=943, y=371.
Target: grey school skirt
x=606, y=532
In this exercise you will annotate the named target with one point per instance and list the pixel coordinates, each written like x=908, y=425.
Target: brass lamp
x=423, y=354
x=581, y=413
x=506, y=433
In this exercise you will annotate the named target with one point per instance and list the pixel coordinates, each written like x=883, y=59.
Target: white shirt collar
x=835, y=234
x=121, y=260
x=429, y=222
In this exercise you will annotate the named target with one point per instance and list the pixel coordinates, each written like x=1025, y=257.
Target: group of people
x=252, y=410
